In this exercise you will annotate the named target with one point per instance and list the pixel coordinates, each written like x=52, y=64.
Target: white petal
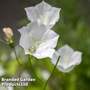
x=65, y=50
x=59, y=65
x=55, y=58
x=48, y=42
x=69, y=61
x=68, y=58
x=65, y=70
x=39, y=39
x=24, y=29
x=43, y=6
x=65, y=56
x=43, y=13
x=49, y=39
x=31, y=13
x=76, y=58
x=25, y=42
x=53, y=17
x=65, y=61
x=30, y=34
x=37, y=31
x=43, y=53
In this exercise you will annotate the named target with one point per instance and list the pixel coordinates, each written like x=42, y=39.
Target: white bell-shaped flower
x=43, y=13
x=38, y=41
x=68, y=58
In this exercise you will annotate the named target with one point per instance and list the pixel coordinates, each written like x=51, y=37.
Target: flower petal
x=68, y=58
x=49, y=39
x=24, y=30
x=76, y=58
x=31, y=36
x=65, y=70
x=65, y=50
x=48, y=42
x=43, y=53
x=25, y=42
x=55, y=58
x=43, y=13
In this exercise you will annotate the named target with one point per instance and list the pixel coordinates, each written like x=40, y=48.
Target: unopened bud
x=9, y=35
x=8, y=32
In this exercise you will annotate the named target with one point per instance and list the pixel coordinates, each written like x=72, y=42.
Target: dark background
x=12, y=11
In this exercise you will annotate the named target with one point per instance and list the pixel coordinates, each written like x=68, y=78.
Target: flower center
x=34, y=47
x=32, y=50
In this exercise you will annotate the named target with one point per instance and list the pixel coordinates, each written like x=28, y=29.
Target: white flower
x=25, y=74
x=45, y=74
x=6, y=88
x=2, y=71
x=43, y=13
x=68, y=58
x=38, y=41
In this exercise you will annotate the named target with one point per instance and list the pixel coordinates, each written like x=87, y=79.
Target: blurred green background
x=74, y=29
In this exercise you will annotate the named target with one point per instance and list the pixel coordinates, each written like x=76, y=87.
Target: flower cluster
x=38, y=38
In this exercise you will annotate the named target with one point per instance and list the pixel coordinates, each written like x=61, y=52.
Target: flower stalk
x=51, y=74
x=32, y=69
x=16, y=56
x=9, y=37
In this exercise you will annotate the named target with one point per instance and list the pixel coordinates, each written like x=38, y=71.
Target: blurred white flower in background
x=6, y=88
x=25, y=74
x=12, y=55
x=45, y=74
x=38, y=41
x=68, y=58
x=43, y=13
x=2, y=71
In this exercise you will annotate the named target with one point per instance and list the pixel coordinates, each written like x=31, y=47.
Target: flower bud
x=8, y=32
x=9, y=35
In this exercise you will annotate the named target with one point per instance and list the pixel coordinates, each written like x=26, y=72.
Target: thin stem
x=2, y=41
x=16, y=57
x=51, y=74
x=61, y=42
x=72, y=82
x=32, y=67
x=29, y=57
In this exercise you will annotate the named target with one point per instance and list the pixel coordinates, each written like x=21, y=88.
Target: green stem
x=14, y=51
x=51, y=74
x=16, y=56
x=32, y=69
x=72, y=82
